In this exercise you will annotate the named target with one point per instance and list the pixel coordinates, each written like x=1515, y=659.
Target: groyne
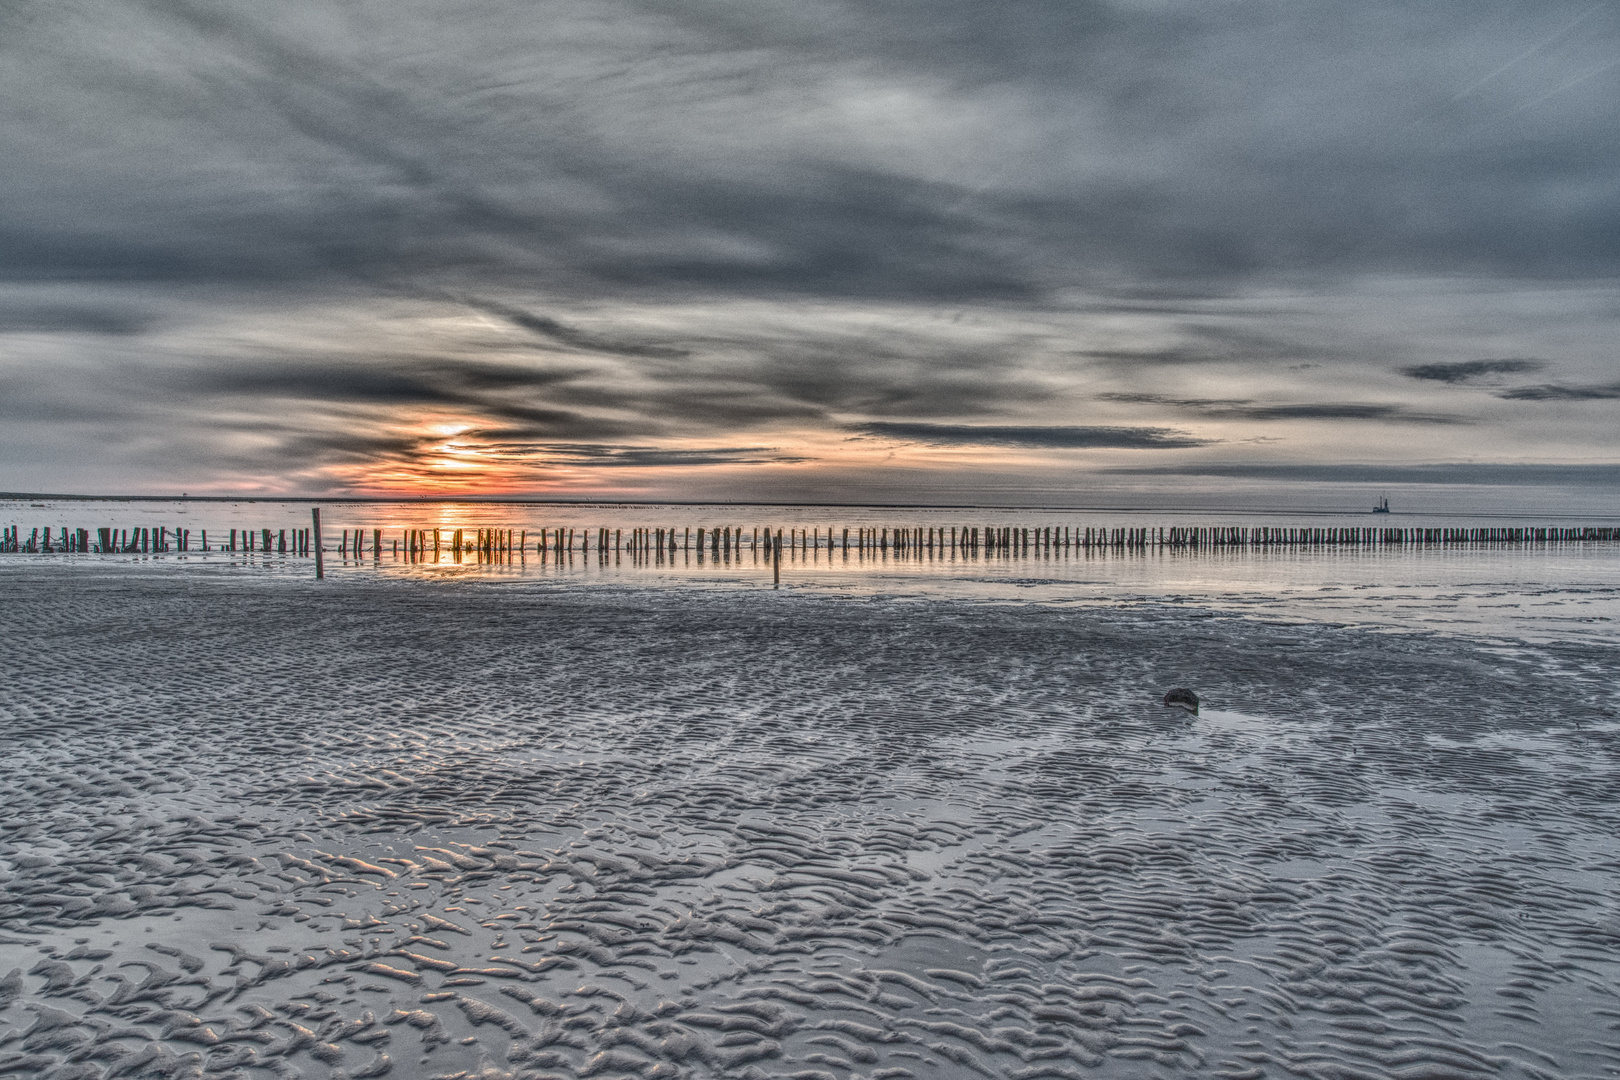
x=499, y=544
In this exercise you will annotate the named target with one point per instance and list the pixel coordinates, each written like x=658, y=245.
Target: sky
x=1062, y=252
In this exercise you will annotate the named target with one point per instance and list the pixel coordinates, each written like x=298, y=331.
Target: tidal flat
x=261, y=826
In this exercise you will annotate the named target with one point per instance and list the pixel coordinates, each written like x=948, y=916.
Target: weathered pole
x=320, y=563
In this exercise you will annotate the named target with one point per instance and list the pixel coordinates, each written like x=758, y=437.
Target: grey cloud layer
x=939, y=150
x=948, y=224
x=389, y=382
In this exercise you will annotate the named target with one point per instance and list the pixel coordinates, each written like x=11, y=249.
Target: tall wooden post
x=320, y=563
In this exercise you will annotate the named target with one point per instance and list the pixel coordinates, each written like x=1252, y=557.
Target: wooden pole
x=320, y=563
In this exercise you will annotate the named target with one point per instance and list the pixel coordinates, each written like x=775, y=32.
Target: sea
x=1538, y=591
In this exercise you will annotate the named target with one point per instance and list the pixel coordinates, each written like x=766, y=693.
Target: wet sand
x=258, y=827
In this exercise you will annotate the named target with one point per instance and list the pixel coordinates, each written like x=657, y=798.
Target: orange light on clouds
x=443, y=456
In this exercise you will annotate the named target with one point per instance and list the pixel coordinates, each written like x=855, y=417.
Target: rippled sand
x=262, y=828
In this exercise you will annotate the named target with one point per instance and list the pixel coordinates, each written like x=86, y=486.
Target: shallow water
x=1537, y=592
x=526, y=827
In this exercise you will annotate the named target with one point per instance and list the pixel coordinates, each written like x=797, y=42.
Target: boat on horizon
x=1382, y=505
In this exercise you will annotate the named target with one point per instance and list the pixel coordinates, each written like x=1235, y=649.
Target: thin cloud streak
x=1555, y=392
x=1048, y=438
x=1472, y=473
x=1471, y=370
x=589, y=455
x=1240, y=409
x=553, y=330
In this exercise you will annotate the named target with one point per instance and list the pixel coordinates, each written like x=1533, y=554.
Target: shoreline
x=1510, y=596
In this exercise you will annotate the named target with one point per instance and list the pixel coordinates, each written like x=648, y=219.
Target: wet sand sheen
x=256, y=828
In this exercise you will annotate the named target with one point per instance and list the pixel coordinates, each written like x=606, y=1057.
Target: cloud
x=1207, y=341
x=1333, y=411
x=555, y=331
x=1592, y=475
x=1469, y=370
x=457, y=382
x=1555, y=392
x=1244, y=409
x=46, y=319
x=237, y=231
x=495, y=394
x=873, y=150
x=1198, y=404
x=638, y=457
x=1053, y=438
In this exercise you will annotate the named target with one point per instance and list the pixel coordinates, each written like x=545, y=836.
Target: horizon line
x=7, y=496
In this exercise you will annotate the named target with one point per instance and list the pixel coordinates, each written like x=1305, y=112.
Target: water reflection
x=1534, y=590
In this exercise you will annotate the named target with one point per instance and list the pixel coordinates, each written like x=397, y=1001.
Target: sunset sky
x=1046, y=252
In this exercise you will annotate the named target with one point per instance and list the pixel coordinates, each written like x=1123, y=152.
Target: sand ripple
x=400, y=829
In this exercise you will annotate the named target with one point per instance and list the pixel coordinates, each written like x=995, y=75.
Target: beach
x=809, y=541
x=257, y=825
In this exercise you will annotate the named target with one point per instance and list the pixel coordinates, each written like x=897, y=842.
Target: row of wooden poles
x=144, y=540
x=504, y=543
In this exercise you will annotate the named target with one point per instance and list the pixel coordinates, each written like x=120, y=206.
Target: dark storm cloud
x=1555, y=392
x=1470, y=370
x=842, y=149
x=1051, y=438
x=1598, y=475
x=1244, y=409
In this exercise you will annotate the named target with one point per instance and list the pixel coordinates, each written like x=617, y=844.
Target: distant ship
x=1382, y=505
